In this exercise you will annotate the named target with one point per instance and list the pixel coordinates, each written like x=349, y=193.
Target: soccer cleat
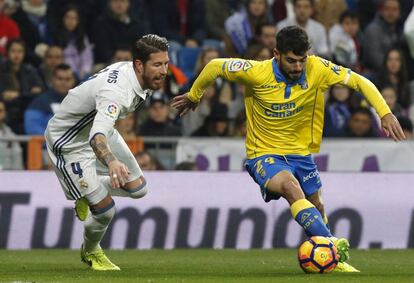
x=81, y=208
x=345, y=267
x=342, y=246
x=97, y=260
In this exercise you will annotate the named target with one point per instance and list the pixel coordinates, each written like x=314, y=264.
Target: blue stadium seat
x=187, y=58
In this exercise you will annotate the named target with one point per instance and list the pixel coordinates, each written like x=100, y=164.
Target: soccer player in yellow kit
x=284, y=101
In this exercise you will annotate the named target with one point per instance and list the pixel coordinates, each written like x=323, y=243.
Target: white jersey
x=93, y=107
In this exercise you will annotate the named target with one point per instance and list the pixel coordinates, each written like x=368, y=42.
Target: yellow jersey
x=285, y=117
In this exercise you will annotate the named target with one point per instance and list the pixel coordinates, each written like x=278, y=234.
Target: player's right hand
x=118, y=173
x=183, y=104
x=392, y=127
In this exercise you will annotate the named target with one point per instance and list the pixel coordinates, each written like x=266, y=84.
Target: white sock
x=95, y=227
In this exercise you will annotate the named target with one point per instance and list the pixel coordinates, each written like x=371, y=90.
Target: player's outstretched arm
x=183, y=104
x=118, y=171
x=392, y=127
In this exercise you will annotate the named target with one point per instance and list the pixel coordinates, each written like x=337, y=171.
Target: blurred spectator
x=90, y=10
x=381, y=34
x=240, y=126
x=186, y=166
x=408, y=48
x=366, y=11
x=8, y=27
x=115, y=28
x=279, y=10
x=361, y=124
x=32, y=20
x=122, y=53
x=70, y=35
x=258, y=52
x=181, y=21
x=409, y=31
x=221, y=91
x=394, y=72
x=241, y=26
x=337, y=111
x=390, y=96
x=317, y=35
x=148, y=162
x=327, y=12
x=217, y=124
x=407, y=127
x=10, y=152
x=174, y=80
x=19, y=84
x=45, y=105
x=158, y=122
x=52, y=58
x=217, y=11
x=345, y=45
x=126, y=127
x=266, y=35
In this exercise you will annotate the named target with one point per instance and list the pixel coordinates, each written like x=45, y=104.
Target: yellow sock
x=300, y=205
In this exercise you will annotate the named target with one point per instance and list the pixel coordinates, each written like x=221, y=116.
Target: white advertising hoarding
x=337, y=155
x=208, y=210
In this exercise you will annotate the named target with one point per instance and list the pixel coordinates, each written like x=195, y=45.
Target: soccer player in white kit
x=90, y=158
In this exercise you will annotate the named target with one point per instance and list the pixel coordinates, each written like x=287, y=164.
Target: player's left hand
x=392, y=127
x=183, y=104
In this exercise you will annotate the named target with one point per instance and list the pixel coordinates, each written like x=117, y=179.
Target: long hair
x=63, y=36
x=148, y=44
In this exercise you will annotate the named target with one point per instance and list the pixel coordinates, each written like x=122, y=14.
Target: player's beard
x=153, y=82
x=290, y=76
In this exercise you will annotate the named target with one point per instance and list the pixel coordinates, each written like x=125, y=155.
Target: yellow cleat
x=342, y=246
x=345, y=267
x=97, y=260
x=81, y=208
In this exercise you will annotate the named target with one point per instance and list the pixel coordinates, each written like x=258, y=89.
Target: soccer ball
x=318, y=255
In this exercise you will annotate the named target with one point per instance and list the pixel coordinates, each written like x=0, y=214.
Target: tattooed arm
x=118, y=172
x=100, y=146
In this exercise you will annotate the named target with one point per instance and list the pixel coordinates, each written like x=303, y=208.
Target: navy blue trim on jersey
x=69, y=134
x=64, y=139
x=73, y=190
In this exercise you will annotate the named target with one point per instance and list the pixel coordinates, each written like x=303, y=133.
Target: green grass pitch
x=279, y=265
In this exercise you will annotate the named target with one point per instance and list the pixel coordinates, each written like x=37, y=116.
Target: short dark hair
x=18, y=41
x=61, y=67
x=347, y=14
x=148, y=44
x=292, y=38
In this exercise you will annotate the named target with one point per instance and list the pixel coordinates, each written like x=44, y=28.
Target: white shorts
x=78, y=172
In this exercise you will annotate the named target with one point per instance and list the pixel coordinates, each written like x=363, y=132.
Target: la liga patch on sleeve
x=112, y=111
x=238, y=65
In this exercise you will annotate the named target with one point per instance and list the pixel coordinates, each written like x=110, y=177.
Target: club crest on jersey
x=238, y=65
x=304, y=85
x=112, y=110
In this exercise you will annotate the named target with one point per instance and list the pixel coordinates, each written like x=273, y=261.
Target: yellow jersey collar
x=281, y=78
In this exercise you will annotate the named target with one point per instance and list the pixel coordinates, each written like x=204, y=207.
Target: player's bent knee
x=137, y=189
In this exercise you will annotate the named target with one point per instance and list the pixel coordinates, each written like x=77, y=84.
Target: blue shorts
x=263, y=168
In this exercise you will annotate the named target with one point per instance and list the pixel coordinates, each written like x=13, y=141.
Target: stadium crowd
x=48, y=46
